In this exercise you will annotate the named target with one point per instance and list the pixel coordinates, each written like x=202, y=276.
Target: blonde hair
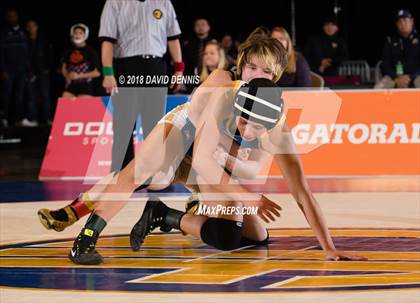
x=259, y=44
x=291, y=53
x=205, y=72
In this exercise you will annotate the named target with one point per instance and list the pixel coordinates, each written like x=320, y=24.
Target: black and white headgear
x=259, y=101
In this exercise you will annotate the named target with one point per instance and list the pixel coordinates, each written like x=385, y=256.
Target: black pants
x=11, y=93
x=147, y=99
x=38, y=90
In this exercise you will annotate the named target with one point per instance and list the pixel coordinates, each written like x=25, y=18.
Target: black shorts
x=80, y=88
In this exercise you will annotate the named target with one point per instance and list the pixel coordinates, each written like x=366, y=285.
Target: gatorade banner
x=375, y=133
x=356, y=133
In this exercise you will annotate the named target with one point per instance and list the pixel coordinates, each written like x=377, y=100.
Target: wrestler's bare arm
x=247, y=168
x=218, y=82
x=291, y=167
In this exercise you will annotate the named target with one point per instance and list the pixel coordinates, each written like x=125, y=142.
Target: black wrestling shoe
x=83, y=251
x=153, y=216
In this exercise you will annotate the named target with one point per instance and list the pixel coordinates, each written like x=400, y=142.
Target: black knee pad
x=221, y=233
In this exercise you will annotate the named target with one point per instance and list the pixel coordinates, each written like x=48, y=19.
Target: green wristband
x=107, y=71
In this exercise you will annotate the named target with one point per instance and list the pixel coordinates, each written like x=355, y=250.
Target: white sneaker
x=26, y=123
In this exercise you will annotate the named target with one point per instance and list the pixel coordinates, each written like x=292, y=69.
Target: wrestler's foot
x=84, y=251
x=57, y=220
x=153, y=216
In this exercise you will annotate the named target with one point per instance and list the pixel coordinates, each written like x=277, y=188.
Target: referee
x=135, y=35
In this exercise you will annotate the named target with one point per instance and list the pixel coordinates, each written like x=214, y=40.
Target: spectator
x=193, y=48
x=14, y=62
x=401, y=55
x=326, y=51
x=297, y=72
x=230, y=48
x=213, y=58
x=137, y=47
x=80, y=64
x=38, y=81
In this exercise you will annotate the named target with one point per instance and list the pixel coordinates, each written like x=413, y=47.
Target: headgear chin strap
x=80, y=25
x=259, y=101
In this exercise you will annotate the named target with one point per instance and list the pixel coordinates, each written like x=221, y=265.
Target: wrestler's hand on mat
x=267, y=209
x=338, y=255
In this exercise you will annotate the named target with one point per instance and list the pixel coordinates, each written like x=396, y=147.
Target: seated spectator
x=401, y=55
x=193, y=48
x=38, y=81
x=14, y=63
x=80, y=64
x=325, y=52
x=297, y=72
x=213, y=58
x=230, y=48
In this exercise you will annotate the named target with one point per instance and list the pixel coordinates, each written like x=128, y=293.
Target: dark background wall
x=364, y=24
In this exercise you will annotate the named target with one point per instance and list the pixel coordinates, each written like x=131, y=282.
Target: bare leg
x=113, y=189
x=163, y=145
x=253, y=227
x=161, y=180
x=221, y=230
x=191, y=224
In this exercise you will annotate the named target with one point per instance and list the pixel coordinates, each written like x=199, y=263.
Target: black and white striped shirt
x=138, y=27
